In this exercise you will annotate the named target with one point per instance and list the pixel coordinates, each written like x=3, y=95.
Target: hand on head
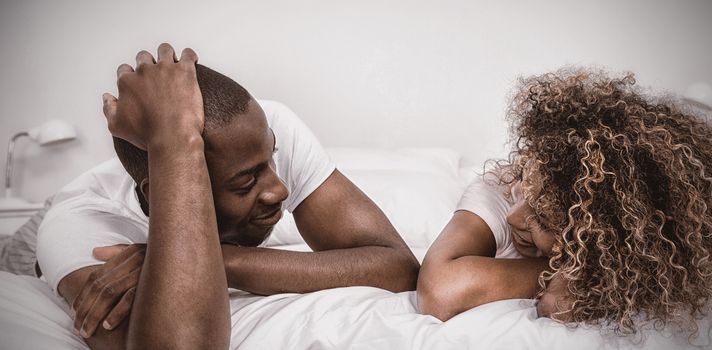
x=157, y=100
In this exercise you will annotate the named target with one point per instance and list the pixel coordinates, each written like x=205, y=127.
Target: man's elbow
x=406, y=272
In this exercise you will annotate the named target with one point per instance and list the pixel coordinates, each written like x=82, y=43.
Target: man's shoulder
x=102, y=180
x=110, y=169
x=279, y=117
x=98, y=208
x=104, y=188
x=289, y=130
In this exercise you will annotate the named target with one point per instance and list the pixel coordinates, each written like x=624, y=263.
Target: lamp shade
x=52, y=131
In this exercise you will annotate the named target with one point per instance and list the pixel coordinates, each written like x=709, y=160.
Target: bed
x=417, y=188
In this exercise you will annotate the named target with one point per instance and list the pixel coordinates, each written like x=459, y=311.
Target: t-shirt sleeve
x=301, y=160
x=489, y=203
x=67, y=237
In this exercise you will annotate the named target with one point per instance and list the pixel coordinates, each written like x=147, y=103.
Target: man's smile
x=268, y=219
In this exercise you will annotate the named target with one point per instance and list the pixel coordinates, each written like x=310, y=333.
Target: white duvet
x=32, y=317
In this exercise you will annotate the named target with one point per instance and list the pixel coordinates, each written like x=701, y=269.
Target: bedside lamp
x=50, y=133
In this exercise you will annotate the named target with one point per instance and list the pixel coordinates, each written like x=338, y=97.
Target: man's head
x=239, y=146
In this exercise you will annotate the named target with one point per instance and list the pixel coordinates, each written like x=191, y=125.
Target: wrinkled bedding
x=32, y=317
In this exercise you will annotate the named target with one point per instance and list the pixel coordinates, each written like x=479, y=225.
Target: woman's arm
x=459, y=271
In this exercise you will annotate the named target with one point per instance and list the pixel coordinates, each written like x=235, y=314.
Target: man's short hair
x=223, y=101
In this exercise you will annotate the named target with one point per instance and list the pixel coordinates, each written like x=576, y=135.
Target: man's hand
x=109, y=292
x=157, y=100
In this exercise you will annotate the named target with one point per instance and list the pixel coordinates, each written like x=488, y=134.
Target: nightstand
x=11, y=218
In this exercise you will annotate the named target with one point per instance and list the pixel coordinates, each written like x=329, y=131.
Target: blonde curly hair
x=624, y=183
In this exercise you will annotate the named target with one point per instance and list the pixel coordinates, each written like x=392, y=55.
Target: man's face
x=248, y=193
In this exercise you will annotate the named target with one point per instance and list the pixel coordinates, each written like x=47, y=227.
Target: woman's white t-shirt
x=490, y=203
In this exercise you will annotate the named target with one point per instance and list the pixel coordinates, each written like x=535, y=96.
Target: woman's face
x=529, y=237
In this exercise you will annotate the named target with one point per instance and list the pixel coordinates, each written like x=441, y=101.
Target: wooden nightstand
x=11, y=218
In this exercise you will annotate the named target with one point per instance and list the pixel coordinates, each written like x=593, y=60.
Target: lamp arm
x=9, y=163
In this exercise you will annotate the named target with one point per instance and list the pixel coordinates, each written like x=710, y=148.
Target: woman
x=605, y=200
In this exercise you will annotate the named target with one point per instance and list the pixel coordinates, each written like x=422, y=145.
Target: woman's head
x=623, y=183
x=529, y=237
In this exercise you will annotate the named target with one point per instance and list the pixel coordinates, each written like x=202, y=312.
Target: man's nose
x=275, y=192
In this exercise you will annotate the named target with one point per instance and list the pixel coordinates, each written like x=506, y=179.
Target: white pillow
x=417, y=189
x=442, y=161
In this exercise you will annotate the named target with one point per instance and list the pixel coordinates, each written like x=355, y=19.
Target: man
x=221, y=171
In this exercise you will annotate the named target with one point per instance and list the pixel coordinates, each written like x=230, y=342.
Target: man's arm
x=353, y=242
x=460, y=272
x=101, y=338
x=188, y=307
x=101, y=297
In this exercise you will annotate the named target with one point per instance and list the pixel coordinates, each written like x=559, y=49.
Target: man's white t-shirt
x=101, y=207
x=489, y=202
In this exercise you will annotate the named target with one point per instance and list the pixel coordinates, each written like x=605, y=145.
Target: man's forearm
x=268, y=271
x=188, y=307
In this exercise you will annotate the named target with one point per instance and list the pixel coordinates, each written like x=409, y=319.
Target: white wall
x=360, y=73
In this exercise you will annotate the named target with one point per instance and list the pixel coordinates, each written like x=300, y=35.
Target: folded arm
x=353, y=242
x=460, y=272
x=94, y=334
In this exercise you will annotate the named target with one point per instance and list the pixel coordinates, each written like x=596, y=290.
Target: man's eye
x=247, y=187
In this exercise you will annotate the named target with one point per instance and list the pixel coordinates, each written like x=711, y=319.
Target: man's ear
x=144, y=188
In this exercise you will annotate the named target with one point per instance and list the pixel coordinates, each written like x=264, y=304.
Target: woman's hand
x=555, y=301
x=158, y=100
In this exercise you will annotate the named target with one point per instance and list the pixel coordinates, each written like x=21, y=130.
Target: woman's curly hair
x=624, y=183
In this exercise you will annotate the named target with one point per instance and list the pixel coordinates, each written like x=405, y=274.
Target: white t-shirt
x=490, y=203
x=101, y=207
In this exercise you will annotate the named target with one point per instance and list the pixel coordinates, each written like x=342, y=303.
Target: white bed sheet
x=31, y=317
